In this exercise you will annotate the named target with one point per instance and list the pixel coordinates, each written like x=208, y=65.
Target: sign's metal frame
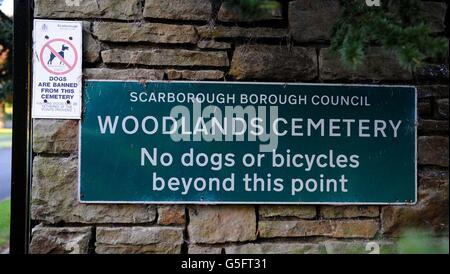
x=255, y=203
x=21, y=139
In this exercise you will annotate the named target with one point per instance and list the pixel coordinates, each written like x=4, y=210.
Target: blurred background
x=6, y=30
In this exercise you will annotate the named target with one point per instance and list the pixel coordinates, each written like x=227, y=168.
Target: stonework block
x=378, y=66
x=60, y=240
x=174, y=74
x=298, y=211
x=313, y=20
x=55, y=136
x=430, y=127
x=220, y=224
x=212, y=44
x=432, y=150
x=337, y=212
x=136, y=240
x=330, y=228
x=210, y=32
x=261, y=61
x=428, y=91
x=55, y=197
x=171, y=215
x=430, y=213
x=178, y=9
x=435, y=14
x=166, y=57
x=274, y=248
x=91, y=46
x=110, y=9
x=204, y=249
x=432, y=72
x=424, y=109
x=123, y=74
x=230, y=12
x=145, y=32
x=442, y=109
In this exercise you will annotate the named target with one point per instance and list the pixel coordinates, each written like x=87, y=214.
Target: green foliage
x=5, y=139
x=415, y=241
x=398, y=26
x=6, y=38
x=5, y=213
x=6, y=30
x=254, y=9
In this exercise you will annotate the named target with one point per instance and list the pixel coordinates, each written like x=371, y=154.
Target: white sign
x=57, y=65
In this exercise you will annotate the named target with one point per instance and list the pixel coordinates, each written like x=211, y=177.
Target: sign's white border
x=255, y=202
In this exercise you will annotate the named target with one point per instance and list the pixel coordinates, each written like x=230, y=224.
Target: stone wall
x=174, y=40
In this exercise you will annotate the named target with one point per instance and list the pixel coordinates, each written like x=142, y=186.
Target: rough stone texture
x=432, y=71
x=312, y=20
x=337, y=212
x=232, y=13
x=434, y=13
x=55, y=197
x=219, y=224
x=145, y=32
x=430, y=213
x=212, y=44
x=274, y=248
x=437, y=91
x=424, y=109
x=432, y=177
x=171, y=215
x=356, y=228
x=173, y=74
x=432, y=150
x=60, y=240
x=302, y=212
x=202, y=249
x=441, y=110
x=126, y=240
x=55, y=136
x=378, y=66
x=331, y=228
x=238, y=32
x=91, y=46
x=111, y=9
x=123, y=74
x=166, y=57
x=433, y=127
x=260, y=62
x=178, y=9
x=359, y=247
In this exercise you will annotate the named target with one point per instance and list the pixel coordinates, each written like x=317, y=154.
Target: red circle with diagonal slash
x=58, y=56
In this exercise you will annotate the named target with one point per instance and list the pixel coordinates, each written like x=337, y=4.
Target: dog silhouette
x=52, y=56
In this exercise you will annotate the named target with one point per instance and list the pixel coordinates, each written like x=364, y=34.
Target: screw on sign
x=58, y=56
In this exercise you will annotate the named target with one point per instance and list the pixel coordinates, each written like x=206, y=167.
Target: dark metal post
x=21, y=150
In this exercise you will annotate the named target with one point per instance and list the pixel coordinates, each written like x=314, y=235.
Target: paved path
x=5, y=173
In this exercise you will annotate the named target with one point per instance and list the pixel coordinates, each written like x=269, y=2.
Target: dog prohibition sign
x=58, y=56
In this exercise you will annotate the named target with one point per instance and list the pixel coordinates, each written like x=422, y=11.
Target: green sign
x=219, y=142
